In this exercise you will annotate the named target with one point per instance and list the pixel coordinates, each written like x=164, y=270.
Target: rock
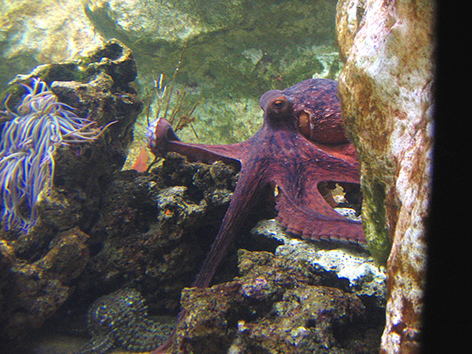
x=43, y=32
x=276, y=305
x=386, y=94
x=33, y=292
x=154, y=230
x=352, y=265
x=45, y=259
x=149, y=22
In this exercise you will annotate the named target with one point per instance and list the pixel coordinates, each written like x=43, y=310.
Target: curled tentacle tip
x=159, y=133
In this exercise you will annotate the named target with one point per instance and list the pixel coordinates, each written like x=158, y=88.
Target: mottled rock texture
x=386, y=93
x=33, y=291
x=347, y=264
x=154, y=230
x=277, y=305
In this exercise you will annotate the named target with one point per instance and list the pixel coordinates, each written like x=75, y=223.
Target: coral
x=119, y=320
x=29, y=140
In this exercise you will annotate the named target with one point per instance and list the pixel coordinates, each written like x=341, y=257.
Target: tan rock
x=386, y=94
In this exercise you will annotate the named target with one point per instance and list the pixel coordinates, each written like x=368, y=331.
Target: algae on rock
x=277, y=304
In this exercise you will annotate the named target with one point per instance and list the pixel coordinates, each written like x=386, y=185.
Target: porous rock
x=45, y=260
x=33, y=292
x=276, y=305
x=386, y=94
x=154, y=229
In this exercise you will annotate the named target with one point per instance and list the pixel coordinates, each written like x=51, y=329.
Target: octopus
x=119, y=320
x=300, y=152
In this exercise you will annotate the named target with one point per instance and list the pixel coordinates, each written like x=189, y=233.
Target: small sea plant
x=180, y=115
x=28, y=140
x=165, y=94
x=180, y=109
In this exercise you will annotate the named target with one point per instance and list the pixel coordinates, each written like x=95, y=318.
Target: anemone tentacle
x=28, y=141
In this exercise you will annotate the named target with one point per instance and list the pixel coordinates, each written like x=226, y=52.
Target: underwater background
x=103, y=227
x=235, y=50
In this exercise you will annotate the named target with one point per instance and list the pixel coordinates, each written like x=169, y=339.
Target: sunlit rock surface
x=43, y=32
x=386, y=93
x=351, y=265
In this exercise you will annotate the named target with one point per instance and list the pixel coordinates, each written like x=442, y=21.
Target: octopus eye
x=278, y=104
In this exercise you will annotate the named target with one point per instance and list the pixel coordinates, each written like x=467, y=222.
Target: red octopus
x=301, y=145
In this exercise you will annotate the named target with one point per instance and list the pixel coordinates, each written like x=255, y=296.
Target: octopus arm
x=245, y=195
x=322, y=224
x=165, y=140
x=207, y=153
x=303, y=210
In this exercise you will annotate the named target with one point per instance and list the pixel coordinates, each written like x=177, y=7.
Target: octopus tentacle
x=244, y=196
x=324, y=226
x=164, y=140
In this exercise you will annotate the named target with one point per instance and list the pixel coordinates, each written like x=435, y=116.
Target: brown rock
x=386, y=93
x=33, y=292
x=276, y=305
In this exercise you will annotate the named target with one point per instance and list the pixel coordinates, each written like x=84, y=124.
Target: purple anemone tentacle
x=28, y=142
